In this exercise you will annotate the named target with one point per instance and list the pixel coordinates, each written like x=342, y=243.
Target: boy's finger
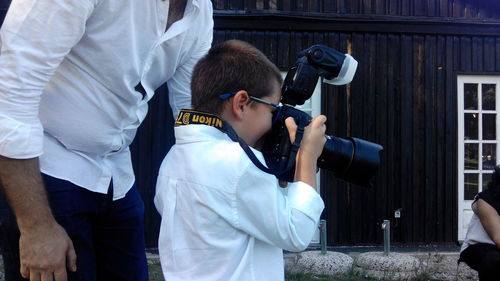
x=292, y=127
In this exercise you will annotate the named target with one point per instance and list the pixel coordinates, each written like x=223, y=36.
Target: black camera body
x=351, y=159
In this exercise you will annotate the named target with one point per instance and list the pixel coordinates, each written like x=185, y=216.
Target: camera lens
x=351, y=159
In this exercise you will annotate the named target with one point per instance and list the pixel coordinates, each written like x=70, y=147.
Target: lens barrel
x=351, y=159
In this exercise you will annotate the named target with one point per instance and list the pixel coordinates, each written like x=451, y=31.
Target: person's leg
x=120, y=233
x=75, y=208
x=9, y=237
x=485, y=259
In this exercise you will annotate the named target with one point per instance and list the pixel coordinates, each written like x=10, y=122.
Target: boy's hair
x=229, y=67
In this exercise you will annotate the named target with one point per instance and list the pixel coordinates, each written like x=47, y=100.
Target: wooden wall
x=403, y=97
x=470, y=9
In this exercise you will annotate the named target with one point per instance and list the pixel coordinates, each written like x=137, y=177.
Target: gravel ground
x=440, y=266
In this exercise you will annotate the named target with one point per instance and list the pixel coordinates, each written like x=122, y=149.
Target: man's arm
x=45, y=248
x=489, y=219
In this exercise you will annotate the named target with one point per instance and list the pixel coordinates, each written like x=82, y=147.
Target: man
x=75, y=78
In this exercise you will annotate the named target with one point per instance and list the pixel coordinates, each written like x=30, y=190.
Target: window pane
x=471, y=126
x=489, y=130
x=470, y=186
x=470, y=96
x=471, y=156
x=488, y=96
x=489, y=156
x=486, y=180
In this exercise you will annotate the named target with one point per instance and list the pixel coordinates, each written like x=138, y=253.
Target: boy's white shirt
x=222, y=217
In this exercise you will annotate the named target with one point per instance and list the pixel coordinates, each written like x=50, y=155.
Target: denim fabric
x=108, y=236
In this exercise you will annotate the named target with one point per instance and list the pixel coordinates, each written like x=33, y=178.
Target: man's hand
x=45, y=248
x=45, y=253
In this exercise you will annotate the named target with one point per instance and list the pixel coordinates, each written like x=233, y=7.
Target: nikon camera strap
x=187, y=117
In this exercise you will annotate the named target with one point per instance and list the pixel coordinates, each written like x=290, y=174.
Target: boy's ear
x=239, y=104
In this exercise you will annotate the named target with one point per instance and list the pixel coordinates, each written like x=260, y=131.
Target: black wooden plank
x=440, y=137
x=489, y=57
x=357, y=119
x=366, y=7
x=477, y=54
x=270, y=46
x=380, y=7
x=443, y=8
x=497, y=56
x=394, y=8
x=342, y=7
x=419, y=8
x=330, y=6
x=458, y=9
x=264, y=20
x=432, y=8
x=392, y=146
x=418, y=139
x=406, y=8
x=383, y=199
x=370, y=223
x=406, y=129
x=453, y=144
x=354, y=6
x=236, y=4
x=451, y=210
x=284, y=49
x=430, y=139
x=465, y=54
x=252, y=4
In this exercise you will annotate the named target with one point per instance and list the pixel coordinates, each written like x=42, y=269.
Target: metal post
x=322, y=234
x=386, y=226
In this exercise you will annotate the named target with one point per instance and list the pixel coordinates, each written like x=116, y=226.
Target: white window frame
x=464, y=206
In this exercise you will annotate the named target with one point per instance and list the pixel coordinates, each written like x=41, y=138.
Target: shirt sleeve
x=179, y=86
x=34, y=39
x=287, y=219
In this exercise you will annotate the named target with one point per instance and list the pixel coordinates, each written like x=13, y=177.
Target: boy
x=222, y=217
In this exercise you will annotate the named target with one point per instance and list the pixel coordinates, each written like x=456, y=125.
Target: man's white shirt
x=68, y=71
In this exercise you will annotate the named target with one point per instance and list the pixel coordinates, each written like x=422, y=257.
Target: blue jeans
x=108, y=235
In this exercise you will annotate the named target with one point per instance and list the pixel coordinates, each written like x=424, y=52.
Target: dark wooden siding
x=468, y=9
x=404, y=97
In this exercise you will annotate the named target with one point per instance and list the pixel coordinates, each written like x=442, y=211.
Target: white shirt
x=86, y=57
x=222, y=217
x=475, y=234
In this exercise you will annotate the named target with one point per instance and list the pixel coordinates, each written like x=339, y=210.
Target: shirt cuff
x=19, y=140
x=305, y=199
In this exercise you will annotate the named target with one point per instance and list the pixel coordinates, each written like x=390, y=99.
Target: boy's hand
x=314, y=135
x=311, y=147
x=314, y=138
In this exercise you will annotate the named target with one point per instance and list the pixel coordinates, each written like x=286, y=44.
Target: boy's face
x=260, y=116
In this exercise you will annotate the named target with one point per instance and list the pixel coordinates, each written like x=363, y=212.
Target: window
x=478, y=139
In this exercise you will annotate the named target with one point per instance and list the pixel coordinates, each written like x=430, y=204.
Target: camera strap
x=187, y=117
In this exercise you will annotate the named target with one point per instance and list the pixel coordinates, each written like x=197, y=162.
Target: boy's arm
x=286, y=221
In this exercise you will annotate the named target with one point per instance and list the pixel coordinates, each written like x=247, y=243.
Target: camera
x=351, y=159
